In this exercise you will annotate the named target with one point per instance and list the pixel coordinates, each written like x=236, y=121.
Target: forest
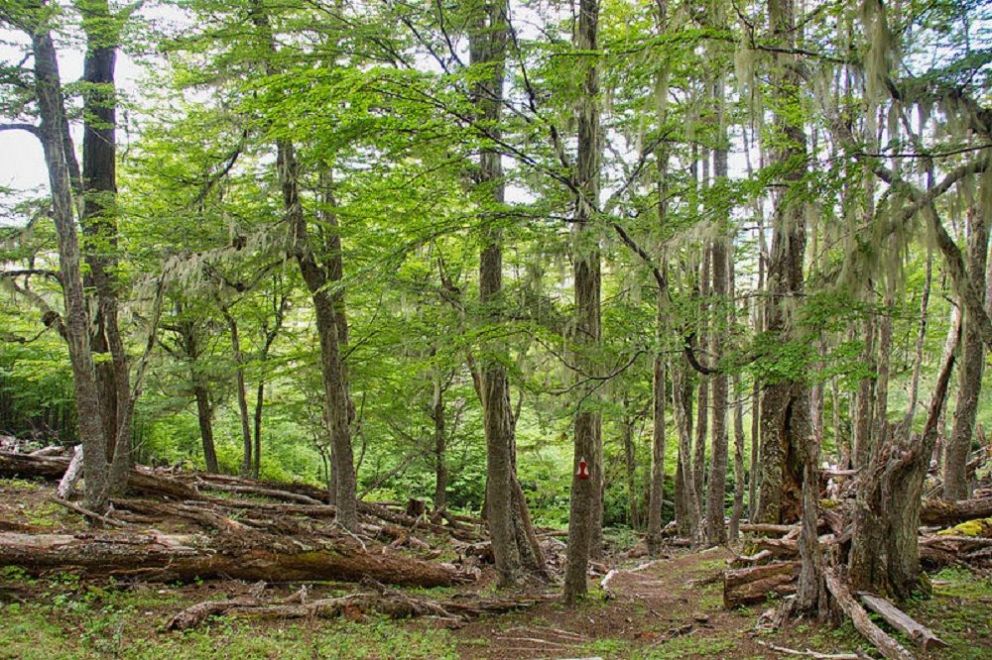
x=495, y=328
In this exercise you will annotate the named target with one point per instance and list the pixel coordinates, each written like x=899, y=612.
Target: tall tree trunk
x=48, y=90
x=703, y=405
x=656, y=495
x=487, y=49
x=656, y=498
x=785, y=406
x=716, y=530
x=99, y=224
x=319, y=276
x=582, y=519
x=956, y=486
x=738, y=512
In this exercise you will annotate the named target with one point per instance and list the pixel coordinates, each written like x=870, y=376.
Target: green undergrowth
x=61, y=617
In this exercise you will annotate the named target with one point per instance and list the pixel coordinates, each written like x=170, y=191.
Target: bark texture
x=582, y=520
x=958, y=447
x=785, y=423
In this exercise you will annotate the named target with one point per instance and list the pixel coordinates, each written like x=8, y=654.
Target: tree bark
x=686, y=500
x=48, y=90
x=99, y=224
x=785, y=407
x=716, y=529
x=582, y=520
x=488, y=51
x=165, y=558
x=956, y=486
x=241, y=391
x=884, y=557
x=440, y=467
x=656, y=495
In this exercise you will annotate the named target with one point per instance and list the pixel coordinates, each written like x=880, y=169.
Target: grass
x=689, y=646
x=92, y=623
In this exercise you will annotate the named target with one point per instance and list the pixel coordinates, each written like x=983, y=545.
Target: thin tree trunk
x=687, y=502
x=585, y=493
x=956, y=486
x=241, y=391
x=702, y=407
x=738, y=512
x=630, y=465
x=328, y=304
x=716, y=530
x=204, y=418
x=440, y=468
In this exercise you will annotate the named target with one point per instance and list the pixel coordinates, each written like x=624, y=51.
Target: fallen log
x=889, y=647
x=902, y=622
x=940, y=512
x=391, y=603
x=141, y=479
x=767, y=529
x=246, y=489
x=200, y=515
x=163, y=557
x=747, y=586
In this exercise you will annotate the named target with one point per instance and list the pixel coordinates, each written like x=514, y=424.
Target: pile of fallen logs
x=231, y=527
x=773, y=567
x=287, y=538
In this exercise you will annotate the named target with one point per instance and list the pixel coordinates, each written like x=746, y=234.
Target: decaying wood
x=200, y=515
x=92, y=515
x=808, y=653
x=902, y=622
x=164, y=557
x=389, y=602
x=767, y=529
x=889, y=647
x=940, y=512
x=273, y=493
x=141, y=479
x=746, y=586
x=67, y=485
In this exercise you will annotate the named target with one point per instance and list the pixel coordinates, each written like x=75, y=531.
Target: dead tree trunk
x=884, y=557
x=165, y=558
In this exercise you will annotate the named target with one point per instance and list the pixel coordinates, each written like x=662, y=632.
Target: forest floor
x=666, y=608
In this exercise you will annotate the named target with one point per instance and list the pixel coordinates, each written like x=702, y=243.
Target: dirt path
x=667, y=608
